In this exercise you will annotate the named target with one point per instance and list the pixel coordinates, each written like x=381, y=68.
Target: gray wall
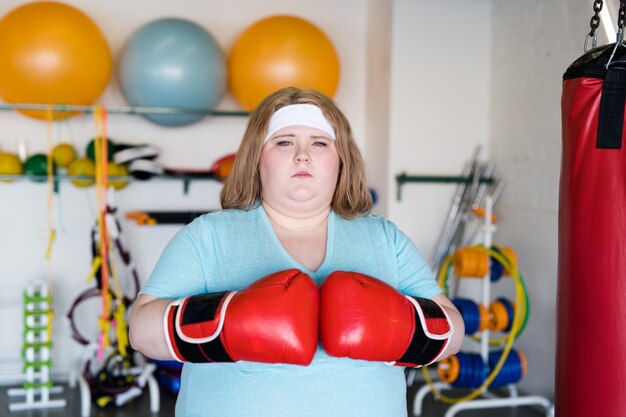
x=533, y=43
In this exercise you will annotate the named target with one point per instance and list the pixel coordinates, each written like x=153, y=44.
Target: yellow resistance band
x=510, y=339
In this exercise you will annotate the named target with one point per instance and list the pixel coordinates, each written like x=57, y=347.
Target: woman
x=295, y=212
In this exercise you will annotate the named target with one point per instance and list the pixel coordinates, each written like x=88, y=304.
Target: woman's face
x=299, y=167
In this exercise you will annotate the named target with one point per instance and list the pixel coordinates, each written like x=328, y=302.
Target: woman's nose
x=302, y=156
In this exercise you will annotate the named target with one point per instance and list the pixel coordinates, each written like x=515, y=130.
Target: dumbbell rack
x=37, y=386
x=489, y=399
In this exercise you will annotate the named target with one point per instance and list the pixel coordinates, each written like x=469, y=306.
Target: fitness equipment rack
x=186, y=178
x=119, y=109
x=486, y=361
x=474, y=183
x=36, y=352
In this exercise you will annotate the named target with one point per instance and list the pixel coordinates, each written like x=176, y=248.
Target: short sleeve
x=414, y=274
x=179, y=271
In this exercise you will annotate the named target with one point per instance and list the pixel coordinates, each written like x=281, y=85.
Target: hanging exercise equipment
x=113, y=372
x=592, y=231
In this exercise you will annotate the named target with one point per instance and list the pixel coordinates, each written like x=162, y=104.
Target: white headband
x=298, y=115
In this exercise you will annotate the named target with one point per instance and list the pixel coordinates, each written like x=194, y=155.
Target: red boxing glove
x=274, y=320
x=364, y=318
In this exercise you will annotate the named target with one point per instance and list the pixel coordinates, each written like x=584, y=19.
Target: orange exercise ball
x=281, y=51
x=52, y=53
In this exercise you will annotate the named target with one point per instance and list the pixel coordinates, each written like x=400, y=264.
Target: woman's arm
x=457, y=322
x=146, y=331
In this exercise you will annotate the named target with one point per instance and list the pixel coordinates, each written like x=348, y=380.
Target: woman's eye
x=283, y=143
x=319, y=143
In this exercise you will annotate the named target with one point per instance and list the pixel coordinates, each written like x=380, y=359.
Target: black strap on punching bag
x=611, y=116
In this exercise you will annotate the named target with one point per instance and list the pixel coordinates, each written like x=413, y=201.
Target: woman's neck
x=302, y=222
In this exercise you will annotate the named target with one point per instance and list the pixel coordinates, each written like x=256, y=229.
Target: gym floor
x=140, y=408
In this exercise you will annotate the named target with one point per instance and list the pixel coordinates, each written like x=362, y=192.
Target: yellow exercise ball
x=117, y=170
x=52, y=53
x=281, y=51
x=63, y=154
x=82, y=167
x=10, y=164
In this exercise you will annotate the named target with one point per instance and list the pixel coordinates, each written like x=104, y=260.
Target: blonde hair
x=243, y=187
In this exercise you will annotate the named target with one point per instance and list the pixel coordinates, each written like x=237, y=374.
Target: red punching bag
x=591, y=296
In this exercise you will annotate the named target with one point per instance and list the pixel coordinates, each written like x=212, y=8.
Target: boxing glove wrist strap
x=433, y=331
x=193, y=326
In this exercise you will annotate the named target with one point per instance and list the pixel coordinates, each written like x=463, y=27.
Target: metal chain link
x=620, y=22
x=595, y=19
x=594, y=23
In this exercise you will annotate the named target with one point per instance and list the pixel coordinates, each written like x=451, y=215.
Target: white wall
x=376, y=146
x=23, y=206
x=533, y=43
x=440, y=76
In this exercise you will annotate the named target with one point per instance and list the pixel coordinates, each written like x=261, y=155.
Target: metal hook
x=594, y=41
x=618, y=42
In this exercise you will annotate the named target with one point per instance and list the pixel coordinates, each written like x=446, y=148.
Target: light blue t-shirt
x=230, y=249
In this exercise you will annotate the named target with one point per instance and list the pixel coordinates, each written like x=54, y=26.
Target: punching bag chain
x=620, y=19
x=620, y=30
x=594, y=23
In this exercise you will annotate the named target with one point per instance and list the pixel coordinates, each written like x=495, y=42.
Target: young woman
x=293, y=300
